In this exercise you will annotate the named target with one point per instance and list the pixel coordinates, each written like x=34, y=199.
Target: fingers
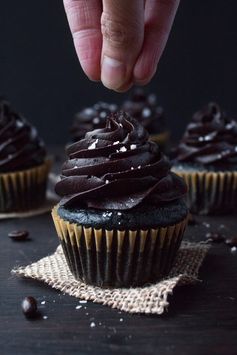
x=122, y=26
x=84, y=21
x=159, y=17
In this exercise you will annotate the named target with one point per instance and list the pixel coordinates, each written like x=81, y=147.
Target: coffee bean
x=18, y=235
x=215, y=237
x=29, y=307
x=232, y=242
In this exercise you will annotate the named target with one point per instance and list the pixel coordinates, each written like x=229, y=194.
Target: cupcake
x=90, y=118
x=207, y=160
x=23, y=165
x=144, y=108
x=121, y=217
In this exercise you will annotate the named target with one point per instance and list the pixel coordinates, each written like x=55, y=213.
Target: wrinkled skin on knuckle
x=118, y=34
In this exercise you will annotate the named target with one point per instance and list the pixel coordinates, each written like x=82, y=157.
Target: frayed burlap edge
x=150, y=299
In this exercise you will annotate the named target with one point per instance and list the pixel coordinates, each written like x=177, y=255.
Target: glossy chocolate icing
x=116, y=167
x=210, y=139
x=20, y=146
x=90, y=118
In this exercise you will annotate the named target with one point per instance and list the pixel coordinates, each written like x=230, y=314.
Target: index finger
x=84, y=21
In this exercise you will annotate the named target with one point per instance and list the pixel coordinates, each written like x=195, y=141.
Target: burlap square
x=150, y=299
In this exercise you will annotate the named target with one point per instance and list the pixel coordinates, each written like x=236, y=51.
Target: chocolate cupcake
x=144, y=108
x=23, y=165
x=122, y=217
x=90, y=118
x=207, y=159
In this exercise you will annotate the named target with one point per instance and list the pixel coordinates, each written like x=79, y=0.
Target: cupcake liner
x=160, y=138
x=24, y=190
x=210, y=192
x=119, y=258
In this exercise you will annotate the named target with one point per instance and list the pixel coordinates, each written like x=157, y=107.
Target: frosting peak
x=116, y=167
x=20, y=146
x=210, y=138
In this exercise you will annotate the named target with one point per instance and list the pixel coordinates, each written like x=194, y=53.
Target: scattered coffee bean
x=29, y=307
x=233, y=250
x=215, y=237
x=232, y=242
x=18, y=235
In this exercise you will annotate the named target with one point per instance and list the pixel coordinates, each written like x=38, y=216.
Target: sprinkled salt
x=93, y=145
x=103, y=114
x=233, y=250
x=139, y=167
x=230, y=125
x=119, y=213
x=96, y=120
x=121, y=319
x=42, y=302
x=112, y=107
x=78, y=307
x=133, y=146
x=146, y=112
x=106, y=181
x=117, y=142
x=123, y=149
x=83, y=301
x=132, y=168
x=45, y=317
x=92, y=325
x=88, y=111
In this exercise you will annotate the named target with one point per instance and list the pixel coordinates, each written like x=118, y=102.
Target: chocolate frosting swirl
x=20, y=146
x=210, y=138
x=144, y=108
x=117, y=168
x=90, y=118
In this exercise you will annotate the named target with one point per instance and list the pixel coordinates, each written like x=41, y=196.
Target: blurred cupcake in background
x=23, y=165
x=145, y=109
x=206, y=158
x=90, y=118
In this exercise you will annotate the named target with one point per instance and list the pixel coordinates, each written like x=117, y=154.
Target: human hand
x=120, y=42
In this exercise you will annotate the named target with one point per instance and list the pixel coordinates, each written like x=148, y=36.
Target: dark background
x=41, y=76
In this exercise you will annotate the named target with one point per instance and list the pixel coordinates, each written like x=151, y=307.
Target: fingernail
x=113, y=73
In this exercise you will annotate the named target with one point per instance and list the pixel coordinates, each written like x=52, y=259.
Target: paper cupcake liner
x=120, y=258
x=24, y=190
x=210, y=192
x=160, y=138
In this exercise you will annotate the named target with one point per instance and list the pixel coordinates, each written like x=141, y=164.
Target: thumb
x=122, y=26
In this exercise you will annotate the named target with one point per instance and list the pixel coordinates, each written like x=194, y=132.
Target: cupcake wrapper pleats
x=160, y=138
x=23, y=190
x=210, y=192
x=118, y=257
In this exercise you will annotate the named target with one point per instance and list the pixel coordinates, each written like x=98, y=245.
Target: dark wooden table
x=202, y=319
